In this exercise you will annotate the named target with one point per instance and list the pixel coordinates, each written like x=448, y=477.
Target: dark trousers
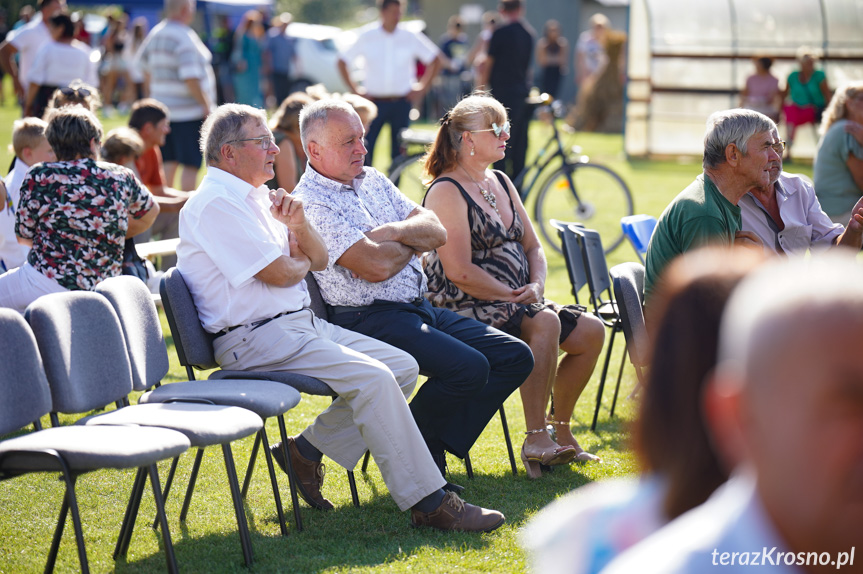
x=396, y=113
x=516, y=148
x=471, y=368
x=281, y=86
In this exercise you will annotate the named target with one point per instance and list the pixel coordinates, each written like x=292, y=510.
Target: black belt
x=336, y=309
x=254, y=324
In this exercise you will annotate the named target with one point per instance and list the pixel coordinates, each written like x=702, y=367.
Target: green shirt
x=700, y=215
x=834, y=185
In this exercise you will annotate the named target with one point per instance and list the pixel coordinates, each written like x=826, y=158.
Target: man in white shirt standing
x=244, y=253
x=26, y=42
x=390, y=53
x=788, y=218
x=178, y=71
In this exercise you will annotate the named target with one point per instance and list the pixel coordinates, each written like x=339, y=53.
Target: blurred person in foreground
x=78, y=211
x=838, y=167
x=785, y=408
x=739, y=150
x=788, y=218
x=493, y=269
x=583, y=531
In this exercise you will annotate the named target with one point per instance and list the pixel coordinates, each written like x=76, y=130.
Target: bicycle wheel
x=599, y=200
x=406, y=174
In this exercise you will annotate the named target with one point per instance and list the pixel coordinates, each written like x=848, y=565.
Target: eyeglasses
x=496, y=129
x=80, y=92
x=266, y=141
x=778, y=147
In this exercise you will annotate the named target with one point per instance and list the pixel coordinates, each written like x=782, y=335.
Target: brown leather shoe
x=308, y=474
x=455, y=514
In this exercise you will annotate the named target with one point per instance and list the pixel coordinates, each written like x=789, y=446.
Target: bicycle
x=597, y=196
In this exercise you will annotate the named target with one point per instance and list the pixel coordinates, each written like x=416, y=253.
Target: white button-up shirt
x=343, y=214
x=227, y=236
x=806, y=224
x=389, y=59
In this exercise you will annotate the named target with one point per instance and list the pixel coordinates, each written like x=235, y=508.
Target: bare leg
x=541, y=333
x=170, y=172
x=189, y=178
x=582, y=347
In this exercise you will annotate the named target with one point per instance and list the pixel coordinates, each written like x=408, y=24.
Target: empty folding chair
x=87, y=366
x=71, y=450
x=571, y=255
x=602, y=300
x=638, y=229
x=149, y=358
x=628, y=282
x=194, y=348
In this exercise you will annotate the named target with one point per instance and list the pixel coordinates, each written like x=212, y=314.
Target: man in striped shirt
x=178, y=71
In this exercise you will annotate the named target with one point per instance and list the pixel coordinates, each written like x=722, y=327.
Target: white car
x=318, y=55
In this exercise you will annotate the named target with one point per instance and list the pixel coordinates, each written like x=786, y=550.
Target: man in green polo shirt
x=739, y=148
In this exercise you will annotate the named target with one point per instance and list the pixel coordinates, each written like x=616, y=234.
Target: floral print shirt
x=77, y=212
x=343, y=214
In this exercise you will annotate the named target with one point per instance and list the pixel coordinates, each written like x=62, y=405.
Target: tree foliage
x=323, y=12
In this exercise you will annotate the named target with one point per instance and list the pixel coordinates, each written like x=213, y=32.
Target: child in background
x=30, y=147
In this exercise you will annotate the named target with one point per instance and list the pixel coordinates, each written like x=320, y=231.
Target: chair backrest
x=594, y=260
x=142, y=330
x=318, y=306
x=638, y=229
x=571, y=255
x=23, y=386
x=82, y=348
x=628, y=282
x=193, y=344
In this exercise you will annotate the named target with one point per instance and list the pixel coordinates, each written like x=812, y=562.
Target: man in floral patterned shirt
x=375, y=284
x=78, y=213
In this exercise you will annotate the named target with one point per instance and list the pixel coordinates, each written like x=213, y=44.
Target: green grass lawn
x=375, y=537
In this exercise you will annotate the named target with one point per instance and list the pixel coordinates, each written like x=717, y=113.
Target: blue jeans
x=471, y=368
x=396, y=113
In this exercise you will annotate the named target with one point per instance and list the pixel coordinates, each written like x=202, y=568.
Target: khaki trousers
x=372, y=381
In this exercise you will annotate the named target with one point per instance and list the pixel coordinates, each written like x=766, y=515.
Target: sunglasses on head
x=496, y=129
x=80, y=92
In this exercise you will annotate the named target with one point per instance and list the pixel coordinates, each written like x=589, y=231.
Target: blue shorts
x=181, y=145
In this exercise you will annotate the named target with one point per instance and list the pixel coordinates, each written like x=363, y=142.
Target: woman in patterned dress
x=78, y=213
x=493, y=268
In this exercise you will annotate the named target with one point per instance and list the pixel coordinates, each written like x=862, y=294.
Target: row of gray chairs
x=586, y=265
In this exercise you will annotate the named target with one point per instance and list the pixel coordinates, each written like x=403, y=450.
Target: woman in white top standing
x=57, y=64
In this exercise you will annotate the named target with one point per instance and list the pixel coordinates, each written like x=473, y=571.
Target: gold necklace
x=490, y=197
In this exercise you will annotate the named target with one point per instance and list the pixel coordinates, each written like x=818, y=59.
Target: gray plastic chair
x=628, y=282
x=194, y=348
x=148, y=354
x=571, y=255
x=71, y=450
x=602, y=300
x=87, y=366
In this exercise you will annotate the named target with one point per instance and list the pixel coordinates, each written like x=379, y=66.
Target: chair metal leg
x=70, y=503
x=292, y=487
x=251, y=468
x=276, y=496
x=366, y=458
x=602, y=379
x=170, y=558
x=191, y=488
x=619, y=375
x=468, y=466
x=353, y=484
x=242, y=524
x=168, y=482
x=125, y=537
x=508, y=441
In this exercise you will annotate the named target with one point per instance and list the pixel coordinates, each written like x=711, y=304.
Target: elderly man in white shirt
x=390, y=53
x=788, y=218
x=785, y=408
x=244, y=252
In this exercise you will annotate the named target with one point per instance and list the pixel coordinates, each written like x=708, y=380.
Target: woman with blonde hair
x=493, y=268
x=838, y=172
